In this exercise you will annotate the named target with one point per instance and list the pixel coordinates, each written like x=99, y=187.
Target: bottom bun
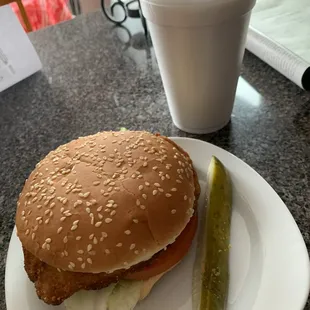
x=149, y=284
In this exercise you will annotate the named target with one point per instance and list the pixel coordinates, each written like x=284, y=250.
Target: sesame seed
x=74, y=227
x=87, y=210
x=47, y=221
x=95, y=241
x=135, y=221
x=27, y=232
x=119, y=245
x=91, y=236
x=132, y=246
x=145, y=164
x=98, y=224
x=147, y=184
x=138, y=202
x=110, y=189
x=178, y=181
x=144, y=196
x=89, y=260
x=88, y=204
x=140, y=187
x=80, y=259
x=127, y=232
x=78, y=238
x=133, y=176
x=136, y=252
x=185, y=197
x=76, y=222
x=39, y=206
x=155, y=168
x=33, y=236
x=142, y=207
x=89, y=247
x=160, y=189
x=155, y=192
x=125, y=263
x=157, y=184
x=66, y=253
x=65, y=239
x=168, y=195
x=48, y=240
x=39, y=218
x=113, y=213
x=140, y=176
x=173, y=189
x=62, y=218
x=83, y=266
x=80, y=252
x=108, y=220
x=173, y=211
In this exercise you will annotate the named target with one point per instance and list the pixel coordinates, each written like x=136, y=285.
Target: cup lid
x=193, y=12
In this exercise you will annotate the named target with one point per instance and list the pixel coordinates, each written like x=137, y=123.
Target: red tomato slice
x=165, y=260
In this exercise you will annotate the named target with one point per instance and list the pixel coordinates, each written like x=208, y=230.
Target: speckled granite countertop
x=93, y=80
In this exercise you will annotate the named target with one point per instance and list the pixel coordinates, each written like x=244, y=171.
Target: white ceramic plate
x=269, y=263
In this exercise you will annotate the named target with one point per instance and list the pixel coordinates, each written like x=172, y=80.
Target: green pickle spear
x=211, y=273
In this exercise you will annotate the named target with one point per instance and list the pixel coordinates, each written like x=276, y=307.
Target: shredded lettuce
x=121, y=296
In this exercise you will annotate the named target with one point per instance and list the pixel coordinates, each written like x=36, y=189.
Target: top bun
x=106, y=202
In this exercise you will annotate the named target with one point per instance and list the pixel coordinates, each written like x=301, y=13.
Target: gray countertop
x=92, y=80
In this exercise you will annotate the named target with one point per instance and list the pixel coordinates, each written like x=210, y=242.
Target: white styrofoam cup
x=199, y=45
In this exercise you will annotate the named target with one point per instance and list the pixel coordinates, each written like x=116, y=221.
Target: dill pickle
x=212, y=265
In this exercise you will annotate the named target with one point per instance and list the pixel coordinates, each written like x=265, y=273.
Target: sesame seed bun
x=106, y=202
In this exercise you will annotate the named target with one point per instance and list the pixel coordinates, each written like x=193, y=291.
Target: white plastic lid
x=189, y=13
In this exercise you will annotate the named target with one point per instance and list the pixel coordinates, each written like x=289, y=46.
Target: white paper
x=18, y=58
x=286, y=22
x=279, y=35
x=277, y=56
